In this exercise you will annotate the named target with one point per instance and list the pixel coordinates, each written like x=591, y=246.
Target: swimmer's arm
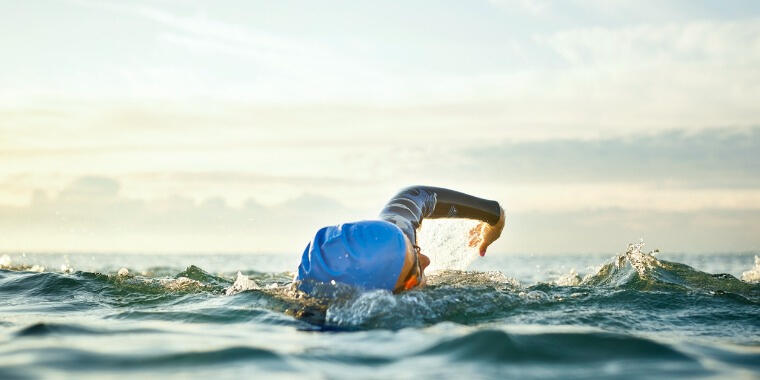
x=410, y=206
x=407, y=209
x=454, y=204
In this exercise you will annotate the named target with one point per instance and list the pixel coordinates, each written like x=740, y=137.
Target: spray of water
x=241, y=284
x=640, y=260
x=7, y=263
x=753, y=275
x=445, y=241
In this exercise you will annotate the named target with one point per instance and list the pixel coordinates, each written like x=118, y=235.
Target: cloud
x=716, y=158
x=609, y=230
x=672, y=170
x=90, y=188
x=230, y=177
x=626, y=12
x=531, y=6
x=275, y=67
x=734, y=42
x=90, y=215
x=542, y=77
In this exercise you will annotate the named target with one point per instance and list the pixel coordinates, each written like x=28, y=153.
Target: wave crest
x=753, y=275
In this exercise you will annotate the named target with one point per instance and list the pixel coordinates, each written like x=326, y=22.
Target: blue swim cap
x=367, y=254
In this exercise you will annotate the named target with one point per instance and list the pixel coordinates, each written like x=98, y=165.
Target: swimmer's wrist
x=502, y=219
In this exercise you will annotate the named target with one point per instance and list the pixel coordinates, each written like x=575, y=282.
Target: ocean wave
x=72, y=358
x=59, y=329
x=633, y=279
x=634, y=316
x=638, y=270
x=497, y=345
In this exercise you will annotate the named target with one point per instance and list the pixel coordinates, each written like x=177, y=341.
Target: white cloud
x=606, y=230
x=90, y=215
x=532, y=6
x=734, y=43
x=270, y=68
x=568, y=78
x=551, y=198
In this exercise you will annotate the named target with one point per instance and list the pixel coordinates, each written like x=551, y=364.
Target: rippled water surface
x=630, y=315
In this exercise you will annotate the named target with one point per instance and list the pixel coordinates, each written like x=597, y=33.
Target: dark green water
x=627, y=316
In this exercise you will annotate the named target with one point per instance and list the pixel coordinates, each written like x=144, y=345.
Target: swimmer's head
x=367, y=255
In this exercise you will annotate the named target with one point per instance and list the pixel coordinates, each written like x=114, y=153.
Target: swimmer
x=383, y=253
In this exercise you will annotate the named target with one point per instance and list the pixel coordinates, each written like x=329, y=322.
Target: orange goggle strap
x=411, y=282
x=414, y=280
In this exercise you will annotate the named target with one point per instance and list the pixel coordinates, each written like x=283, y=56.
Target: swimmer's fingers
x=476, y=235
x=473, y=234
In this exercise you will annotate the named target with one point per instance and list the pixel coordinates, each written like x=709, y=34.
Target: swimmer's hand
x=484, y=234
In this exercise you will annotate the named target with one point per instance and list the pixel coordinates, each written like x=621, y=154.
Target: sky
x=244, y=126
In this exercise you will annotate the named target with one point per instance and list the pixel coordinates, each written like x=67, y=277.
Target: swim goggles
x=416, y=278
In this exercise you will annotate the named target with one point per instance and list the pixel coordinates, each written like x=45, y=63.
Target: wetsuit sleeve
x=407, y=208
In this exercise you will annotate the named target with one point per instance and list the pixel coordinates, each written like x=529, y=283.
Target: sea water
x=627, y=314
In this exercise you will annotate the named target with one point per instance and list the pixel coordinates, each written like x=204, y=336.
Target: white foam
x=181, y=283
x=37, y=268
x=753, y=275
x=368, y=305
x=66, y=266
x=569, y=279
x=241, y=284
x=7, y=263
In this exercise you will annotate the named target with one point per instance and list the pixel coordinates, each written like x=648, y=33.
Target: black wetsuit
x=407, y=208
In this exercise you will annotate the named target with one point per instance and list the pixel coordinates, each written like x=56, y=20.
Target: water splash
x=66, y=266
x=451, y=295
x=7, y=263
x=641, y=261
x=571, y=278
x=445, y=241
x=378, y=304
x=753, y=275
x=241, y=284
